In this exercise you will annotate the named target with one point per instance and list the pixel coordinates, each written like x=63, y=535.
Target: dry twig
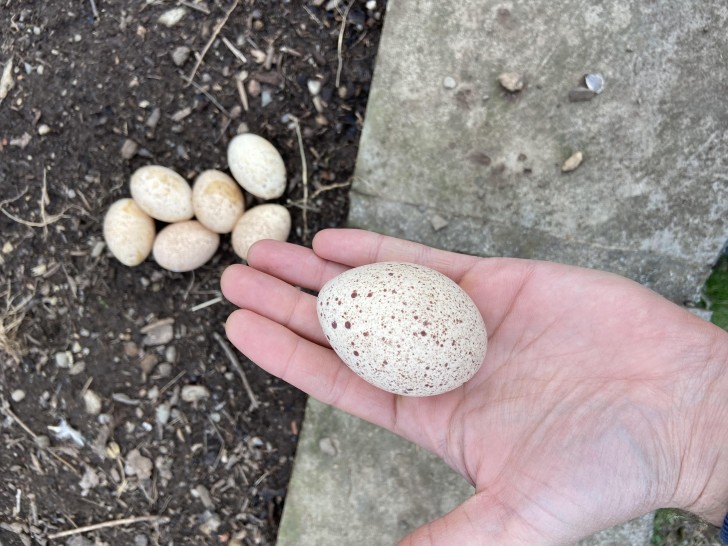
x=234, y=50
x=42, y=203
x=103, y=525
x=199, y=7
x=212, y=39
x=254, y=404
x=94, y=9
x=340, y=44
x=7, y=411
x=304, y=177
x=239, y=79
x=213, y=100
x=301, y=204
x=206, y=304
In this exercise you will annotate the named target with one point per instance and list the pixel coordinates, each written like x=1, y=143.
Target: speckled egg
x=257, y=166
x=402, y=327
x=267, y=221
x=162, y=193
x=217, y=201
x=184, y=246
x=128, y=232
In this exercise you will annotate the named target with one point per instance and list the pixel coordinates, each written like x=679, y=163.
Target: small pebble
x=328, y=446
x=148, y=363
x=180, y=55
x=17, y=395
x=129, y=149
x=194, y=393
x=170, y=354
x=511, y=81
x=64, y=359
x=43, y=129
x=449, y=82
x=438, y=222
x=573, y=162
x=594, y=82
x=138, y=465
x=131, y=349
x=253, y=88
x=171, y=17
x=92, y=401
x=164, y=369
x=160, y=333
x=265, y=98
x=77, y=368
x=202, y=493
x=314, y=87
x=161, y=414
x=154, y=118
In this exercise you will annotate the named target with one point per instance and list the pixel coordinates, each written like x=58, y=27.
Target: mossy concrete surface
x=451, y=159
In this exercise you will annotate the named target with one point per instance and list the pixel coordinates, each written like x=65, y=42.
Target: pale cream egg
x=267, y=221
x=184, y=246
x=162, y=193
x=257, y=166
x=217, y=201
x=128, y=232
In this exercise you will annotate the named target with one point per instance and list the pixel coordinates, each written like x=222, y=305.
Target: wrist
x=703, y=474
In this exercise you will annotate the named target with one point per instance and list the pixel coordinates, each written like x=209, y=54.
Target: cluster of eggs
x=198, y=215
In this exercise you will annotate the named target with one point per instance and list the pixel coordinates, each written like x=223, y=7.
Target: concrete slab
x=451, y=159
x=444, y=141
x=355, y=484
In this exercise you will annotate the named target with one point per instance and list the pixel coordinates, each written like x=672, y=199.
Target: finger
x=478, y=520
x=274, y=299
x=293, y=263
x=308, y=366
x=355, y=247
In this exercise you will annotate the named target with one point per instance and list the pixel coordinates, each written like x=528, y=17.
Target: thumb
x=481, y=519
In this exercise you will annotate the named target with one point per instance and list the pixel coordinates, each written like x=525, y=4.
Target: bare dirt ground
x=117, y=397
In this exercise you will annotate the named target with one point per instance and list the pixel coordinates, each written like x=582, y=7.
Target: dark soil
x=87, y=86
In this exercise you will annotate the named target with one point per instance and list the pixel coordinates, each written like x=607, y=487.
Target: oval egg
x=162, y=193
x=402, y=327
x=217, y=201
x=185, y=246
x=268, y=221
x=128, y=232
x=257, y=166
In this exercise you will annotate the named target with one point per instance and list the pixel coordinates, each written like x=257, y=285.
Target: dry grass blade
x=254, y=404
x=340, y=44
x=304, y=177
x=11, y=317
x=104, y=525
x=212, y=39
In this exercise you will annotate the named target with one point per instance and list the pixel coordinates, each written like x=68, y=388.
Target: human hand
x=598, y=400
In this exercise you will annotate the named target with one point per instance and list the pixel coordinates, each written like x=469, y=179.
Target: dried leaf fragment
x=6, y=80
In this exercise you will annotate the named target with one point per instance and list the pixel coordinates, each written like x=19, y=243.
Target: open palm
x=583, y=415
